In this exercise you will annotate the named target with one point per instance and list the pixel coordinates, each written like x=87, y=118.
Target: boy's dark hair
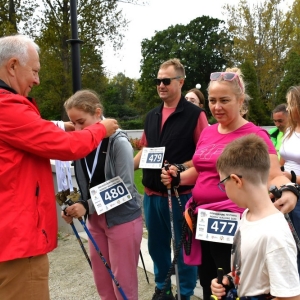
x=247, y=156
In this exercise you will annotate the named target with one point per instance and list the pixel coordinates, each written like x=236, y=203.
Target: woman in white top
x=290, y=150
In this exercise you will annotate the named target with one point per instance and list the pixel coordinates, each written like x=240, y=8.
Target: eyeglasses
x=227, y=76
x=221, y=184
x=165, y=81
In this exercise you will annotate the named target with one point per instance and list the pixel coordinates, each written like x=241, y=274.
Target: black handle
x=220, y=275
x=275, y=191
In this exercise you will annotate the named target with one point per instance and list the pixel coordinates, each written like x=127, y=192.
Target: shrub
x=136, y=143
x=132, y=124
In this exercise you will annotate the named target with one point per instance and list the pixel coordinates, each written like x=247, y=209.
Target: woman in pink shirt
x=226, y=94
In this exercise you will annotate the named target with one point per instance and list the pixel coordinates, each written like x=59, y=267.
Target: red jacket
x=28, y=222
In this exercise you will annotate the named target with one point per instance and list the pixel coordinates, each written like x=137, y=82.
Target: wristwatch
x=180, y=167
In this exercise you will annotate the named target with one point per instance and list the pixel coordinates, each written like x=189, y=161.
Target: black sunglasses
x=165, y=81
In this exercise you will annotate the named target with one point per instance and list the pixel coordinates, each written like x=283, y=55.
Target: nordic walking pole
x=173, y=235
x=62, y=206
x=142, y=259
x=103, y=259
x=69, y=202
x=173, y=238
x=80, y=243
x=277, y=194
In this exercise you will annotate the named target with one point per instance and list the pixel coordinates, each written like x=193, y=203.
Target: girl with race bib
x=117, y=232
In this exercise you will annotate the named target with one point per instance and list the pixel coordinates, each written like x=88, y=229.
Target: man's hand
x=69, y=126
x=111, y=126
x=165, y=176
x=76, y=210
x=287, y=202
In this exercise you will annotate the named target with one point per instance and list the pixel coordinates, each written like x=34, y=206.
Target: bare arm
x=288, y=298
x=288, y=200
x=137, y=159
x=188, y=164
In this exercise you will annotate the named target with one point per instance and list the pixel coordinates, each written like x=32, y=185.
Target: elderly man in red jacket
x=28, y=227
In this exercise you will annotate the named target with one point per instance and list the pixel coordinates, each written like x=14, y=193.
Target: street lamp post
x=75, y=48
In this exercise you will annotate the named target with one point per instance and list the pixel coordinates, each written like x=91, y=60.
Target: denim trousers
x=157, y=217
x=295, y=217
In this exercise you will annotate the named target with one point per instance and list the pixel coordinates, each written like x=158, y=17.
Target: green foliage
x=292, y=68
x=138, y=176
x=132, y=124
x=261, y=34
x=201, y=46
x=257, y=108
x=212, y=120
x=98, y=21
x=118, y=98
x=16, y=16
x=260, y=37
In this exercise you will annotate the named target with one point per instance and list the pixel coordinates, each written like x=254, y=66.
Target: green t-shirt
x=276, y=138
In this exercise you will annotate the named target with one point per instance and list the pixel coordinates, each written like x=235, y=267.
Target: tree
x=13, y=13
x=294, y=17
x=118, y=99
x=257, y=110
x=261, y=35
x=201, y=46
x=291, y=78
x=97, y=20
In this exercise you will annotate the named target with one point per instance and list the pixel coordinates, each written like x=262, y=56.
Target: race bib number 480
x=216, y=226
x=109, y=194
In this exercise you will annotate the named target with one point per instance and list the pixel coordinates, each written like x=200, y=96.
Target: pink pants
x=120, y=246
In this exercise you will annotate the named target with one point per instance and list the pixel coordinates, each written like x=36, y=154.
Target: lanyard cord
x=94, y=163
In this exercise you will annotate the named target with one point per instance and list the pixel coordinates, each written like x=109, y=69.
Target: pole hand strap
x=292, y=187
x=175, y=182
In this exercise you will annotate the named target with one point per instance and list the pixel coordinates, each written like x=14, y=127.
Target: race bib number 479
x=152, y=158
x=216, y=226
x=109, y=194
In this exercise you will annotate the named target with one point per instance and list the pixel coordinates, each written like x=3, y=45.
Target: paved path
x=149, y=267
x=71, y=277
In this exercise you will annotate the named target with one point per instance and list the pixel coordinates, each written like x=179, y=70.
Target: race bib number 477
x=217, y=226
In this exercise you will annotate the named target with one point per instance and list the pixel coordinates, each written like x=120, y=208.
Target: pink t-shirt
x=210, y=145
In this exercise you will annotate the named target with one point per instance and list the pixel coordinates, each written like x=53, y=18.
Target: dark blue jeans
x=295, y=217
x=158, y=224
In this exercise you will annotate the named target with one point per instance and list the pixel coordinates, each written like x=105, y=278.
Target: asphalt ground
x=71, y=277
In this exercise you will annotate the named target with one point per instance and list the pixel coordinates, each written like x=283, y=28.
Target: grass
x=138, y=178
